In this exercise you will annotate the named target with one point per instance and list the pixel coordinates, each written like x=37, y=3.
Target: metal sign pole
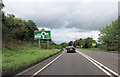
x=47, y=43
x=42, y=34
x=39, y=43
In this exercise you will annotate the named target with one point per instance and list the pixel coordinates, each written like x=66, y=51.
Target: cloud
x=70, y=34
x=68, y=20
x=86, y=15
x=93, y=17
x=85, y=1
x=119, y=8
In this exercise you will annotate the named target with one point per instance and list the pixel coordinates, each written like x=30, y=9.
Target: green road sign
x=42, y=34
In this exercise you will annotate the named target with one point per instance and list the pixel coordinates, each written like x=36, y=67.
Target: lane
x=72, y=64
x=108, y=59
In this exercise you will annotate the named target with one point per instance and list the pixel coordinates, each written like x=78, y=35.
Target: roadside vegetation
x=109, y=36
x=98, y=49
x=15, y=58
x=81, y=43
x=19, y=48
x=108, y=39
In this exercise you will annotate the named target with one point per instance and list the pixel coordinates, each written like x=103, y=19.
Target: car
x=70, y=49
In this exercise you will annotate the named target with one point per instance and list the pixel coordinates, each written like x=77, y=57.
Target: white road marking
x=28, y=69
x=93, y=61
x=47, y=65
x=105, y=67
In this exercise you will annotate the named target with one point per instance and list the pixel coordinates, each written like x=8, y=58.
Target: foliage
x=70, y=43
x=19, y=49
x=119, y=33
x=109, y=36
x=76, y=43
x=84, y=43
x=48, y=44
x=87, y=42
x=17, y=28
x=64, y=44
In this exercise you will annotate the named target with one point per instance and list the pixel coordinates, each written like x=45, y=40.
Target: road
x=108, y=59
x=79, y=63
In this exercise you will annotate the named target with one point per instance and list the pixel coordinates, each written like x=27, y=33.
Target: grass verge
x=16, y=58
x=97, y=49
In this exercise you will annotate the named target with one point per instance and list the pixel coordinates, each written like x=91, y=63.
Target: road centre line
x=47, y=64
x=99, y=65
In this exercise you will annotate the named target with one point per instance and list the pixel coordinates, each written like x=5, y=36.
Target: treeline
x=108, y=39
x=16, y=30
x=81, y=43
x=109, y=36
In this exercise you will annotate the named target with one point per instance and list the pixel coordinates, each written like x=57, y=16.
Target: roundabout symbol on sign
x=43, y=34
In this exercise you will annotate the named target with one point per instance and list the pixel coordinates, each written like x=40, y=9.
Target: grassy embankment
x=16, y=57
x=19, y=49
x=97, y=49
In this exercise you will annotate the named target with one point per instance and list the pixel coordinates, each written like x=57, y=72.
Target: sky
x=67, y=19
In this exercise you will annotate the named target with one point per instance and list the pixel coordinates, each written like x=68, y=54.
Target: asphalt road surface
x=83, y=62
x=108, y=59
x=72, y=64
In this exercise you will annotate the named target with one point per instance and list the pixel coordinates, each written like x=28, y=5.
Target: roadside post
x=43, y=34
x=39, y=43
x=47, y=43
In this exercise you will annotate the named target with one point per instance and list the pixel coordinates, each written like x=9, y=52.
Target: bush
x=108, y=48
x=103, y=47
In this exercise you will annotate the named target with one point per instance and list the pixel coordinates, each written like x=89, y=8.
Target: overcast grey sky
x=68, y=20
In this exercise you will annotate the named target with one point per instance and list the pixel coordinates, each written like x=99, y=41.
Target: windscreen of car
x=70, y=47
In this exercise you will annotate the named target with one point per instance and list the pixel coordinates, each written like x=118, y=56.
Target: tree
x=17, y=28
x=1, y=5
x=80, y=42
x=76, y=43
x=119, y=33
x=86, y=43
x=70, y=43
x=64, y=44
x=109, y=36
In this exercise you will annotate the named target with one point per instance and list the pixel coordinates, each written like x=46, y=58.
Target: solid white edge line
x=101, y=65
x=47, y=65
x=95, y=64
x=105, y=67
x=28, y=69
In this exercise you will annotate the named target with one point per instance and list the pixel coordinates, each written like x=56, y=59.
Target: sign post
x=42, y=34
x=47, y=43
x=39, y=43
